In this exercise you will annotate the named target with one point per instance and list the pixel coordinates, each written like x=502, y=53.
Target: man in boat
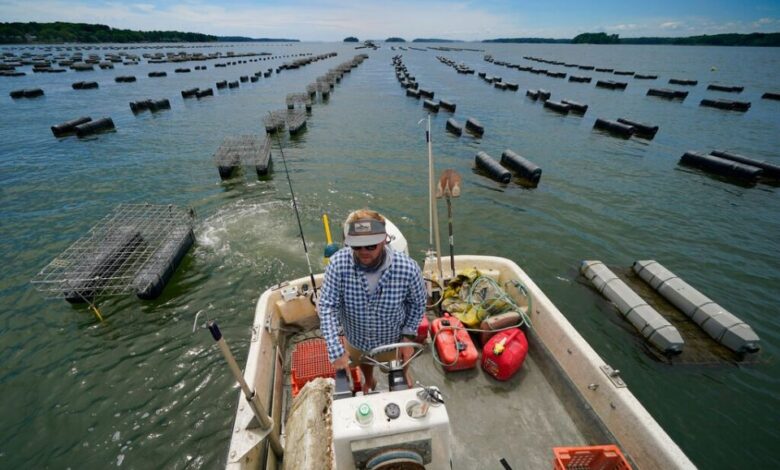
x=376, y=294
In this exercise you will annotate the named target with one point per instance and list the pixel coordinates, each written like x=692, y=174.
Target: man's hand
x=342, y=362
x=406, y=354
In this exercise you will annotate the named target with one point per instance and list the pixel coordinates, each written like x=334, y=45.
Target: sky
x=332, y=20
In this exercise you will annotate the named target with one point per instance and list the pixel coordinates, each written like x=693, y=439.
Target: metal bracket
x=613, y=375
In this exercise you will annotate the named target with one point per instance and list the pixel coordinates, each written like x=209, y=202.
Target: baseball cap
x=363, y=232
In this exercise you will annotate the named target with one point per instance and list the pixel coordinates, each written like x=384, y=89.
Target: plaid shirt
x=369, y=321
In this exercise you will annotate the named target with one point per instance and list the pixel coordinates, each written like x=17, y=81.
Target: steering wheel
x=383, y=366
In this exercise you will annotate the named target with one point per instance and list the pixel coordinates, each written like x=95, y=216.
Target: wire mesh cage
x=300, y=99
x=296, y=120
x=243, y=150
x=135, y=248
x=275, y=120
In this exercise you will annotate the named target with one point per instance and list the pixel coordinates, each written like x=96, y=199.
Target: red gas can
x=422, y=330
x=504, y=353
x=453, y=344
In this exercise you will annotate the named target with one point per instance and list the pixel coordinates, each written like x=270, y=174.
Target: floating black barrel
x=32, y=92
x=481, y=74
x=244, y=78
x=253, y=78
x=494, y=169
x=682, y=81
x=138, y=106
x=605, y=70
x=612, y=85
x=770, y=170
x=454, y=126
x=667, y=93
x=533, y=94
x=189, y=93
x=68, y=127
x=499, y=85
x=413, y=93
x=203, y=93
x=544, y=95
x=93, y=127
x=521, y=166
x=182, y=70
x=639, y=76
x=157, y=105
x=267, y=74
x=721, y=166
x=646, y=131
x=426, y=93
x=155, y=274
x=511, y=86
x=729, y=89
x=557, y=106
x=623, y=72
x=475, y=127
x=575, y=78
x=771, y=96
x=447, y=105
x=614, y=127
x=84, y=85
x=125, y=79
x=222, y=84
x=575, y=107
x=728, y=105
x=431, y=105
x=110, y=256
x=158, y=74
x=233, y=84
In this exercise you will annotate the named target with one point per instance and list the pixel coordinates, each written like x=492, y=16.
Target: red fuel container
x=422, y=330
x=453, y=344
x=504, y=354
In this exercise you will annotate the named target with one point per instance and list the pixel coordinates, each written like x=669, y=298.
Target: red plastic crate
x=606, y=457
x=310, y=360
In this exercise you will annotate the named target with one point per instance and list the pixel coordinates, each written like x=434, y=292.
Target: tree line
x=60, y=32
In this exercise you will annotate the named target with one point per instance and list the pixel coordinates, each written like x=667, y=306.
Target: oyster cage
x=248, y=150
x=136, y=248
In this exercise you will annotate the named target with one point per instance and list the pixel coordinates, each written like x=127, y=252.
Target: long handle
x=251, y=397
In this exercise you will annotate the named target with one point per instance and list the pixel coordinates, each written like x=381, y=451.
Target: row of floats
x=717, y=322
x=670, y=94
x=91, y=85
x=528, y=171
x=251, y=151
x=722, y=163
x=45, y=63
x=84, y=126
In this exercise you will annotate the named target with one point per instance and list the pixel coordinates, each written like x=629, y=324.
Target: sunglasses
x=367, y=248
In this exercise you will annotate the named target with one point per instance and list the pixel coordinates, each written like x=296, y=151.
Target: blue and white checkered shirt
x=395, y=308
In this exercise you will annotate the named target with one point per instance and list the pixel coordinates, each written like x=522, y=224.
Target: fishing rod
x=297, y=216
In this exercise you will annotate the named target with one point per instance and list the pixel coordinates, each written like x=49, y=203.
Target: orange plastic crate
x=310, y=360
x=606, y=457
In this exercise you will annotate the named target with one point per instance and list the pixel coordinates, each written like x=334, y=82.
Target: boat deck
x=519, y=420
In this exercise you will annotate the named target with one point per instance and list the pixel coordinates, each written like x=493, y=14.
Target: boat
x=565, y=396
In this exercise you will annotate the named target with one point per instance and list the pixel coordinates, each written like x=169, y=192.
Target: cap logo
x=362, y=227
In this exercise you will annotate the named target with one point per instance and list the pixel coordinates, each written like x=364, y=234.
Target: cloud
x=623, y=27
x=671, y=25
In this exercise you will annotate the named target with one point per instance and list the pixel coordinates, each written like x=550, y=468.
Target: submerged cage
x=296, y=120
x=246, y=150
x=275, y=120
x=136, y=248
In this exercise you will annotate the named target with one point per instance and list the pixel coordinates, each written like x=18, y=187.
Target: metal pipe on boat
x=254, y=401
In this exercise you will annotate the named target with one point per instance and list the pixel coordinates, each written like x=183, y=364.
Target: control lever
x=344, y=385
